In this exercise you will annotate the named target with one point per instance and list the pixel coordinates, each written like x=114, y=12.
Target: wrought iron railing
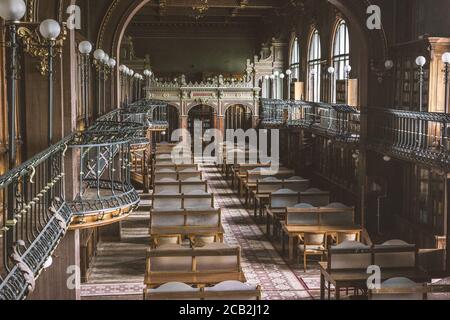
x=35, y=216
x=273, y=112
x=418, y=136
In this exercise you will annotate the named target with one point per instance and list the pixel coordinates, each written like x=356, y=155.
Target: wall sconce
x=289, y=81
x=332, y=71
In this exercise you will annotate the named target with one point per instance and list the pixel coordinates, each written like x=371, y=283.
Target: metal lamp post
x=85, y=48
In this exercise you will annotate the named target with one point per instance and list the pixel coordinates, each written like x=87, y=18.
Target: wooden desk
x=293, y=232
x=187, y=231
x=357, y=278
x=200, y=279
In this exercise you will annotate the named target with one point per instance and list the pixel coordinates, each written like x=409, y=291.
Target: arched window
x=314, y=66
x=295, y=59
x=341, y=53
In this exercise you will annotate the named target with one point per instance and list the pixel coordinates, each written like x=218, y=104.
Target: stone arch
x=192, y=105
x=246, y=104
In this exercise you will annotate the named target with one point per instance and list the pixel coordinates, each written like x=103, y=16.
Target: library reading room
x=224, y=150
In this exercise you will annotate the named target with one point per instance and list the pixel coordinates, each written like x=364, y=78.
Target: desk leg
x=322, y=287
x=255, y=208
x=291, y=248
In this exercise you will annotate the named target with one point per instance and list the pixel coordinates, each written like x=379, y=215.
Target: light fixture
x=387, y=158
x=313, y=72
x=446, y=58
x=99, y=54
x=288, y=72
x=389, y=64
x=112, y=63
x=266, y=77
x=331, y=70
x=85, y=47
x=421, y=61
x=12, y=10
x=272, y=76
x=105, y=59
x=282, y=76
x=122, y=68
x=276, y=73
x=50, y=29
x=348, y=68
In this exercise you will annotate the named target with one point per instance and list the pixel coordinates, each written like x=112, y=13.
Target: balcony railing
x=34, y=212
x=340, y=122
x=35, y=216
x=417, y=136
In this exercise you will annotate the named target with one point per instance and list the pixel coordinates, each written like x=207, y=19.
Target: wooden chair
x=314, y=244
x=264, y=187
x=341, y=237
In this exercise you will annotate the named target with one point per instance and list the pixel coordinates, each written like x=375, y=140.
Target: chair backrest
x=299, y=185
x=198, y=199
x=395, y=254
x=164, y=218
x=194, y=185
x=283, y=198
x=315, y=197
x=349, y=255
x=167, y=200
x=161, y=166
x=166, y=185
x=185, y=218
x=302, y=214
x=268, y=185
x=314, y=238
x=182, y=167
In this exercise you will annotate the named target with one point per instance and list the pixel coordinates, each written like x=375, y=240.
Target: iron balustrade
x=422, y=137
x=35, y=217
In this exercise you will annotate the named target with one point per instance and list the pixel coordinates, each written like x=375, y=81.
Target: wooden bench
x=402, y=288
x=250, y=181
x=265, y=186
x=304, y=218
x=186, y=223
x=239, y=173
x=348, y=262
x=194, y=199
x=227, y=290
x=208, y=265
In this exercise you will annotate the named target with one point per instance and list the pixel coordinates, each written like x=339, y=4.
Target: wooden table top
x=321, y=228
x=185, y=230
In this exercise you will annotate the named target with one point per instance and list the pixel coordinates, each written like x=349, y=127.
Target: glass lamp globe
x=420, y=61
x=131, y=73
x=121, y=68
x=266, y=77
x=85, y=47
x=112, y=63
x=389, y=64
x=288, y=72
x=99, y=54
x=272, y=76
x=313, y=72
x=331, y=70
x=446, y=57
x=348, y=68
x=12, y=10
x=50, y=29
x=105, y=59
x=276, y=73
x=282, y=76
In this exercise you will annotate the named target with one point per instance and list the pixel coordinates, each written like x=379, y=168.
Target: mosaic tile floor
x=118, y=270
